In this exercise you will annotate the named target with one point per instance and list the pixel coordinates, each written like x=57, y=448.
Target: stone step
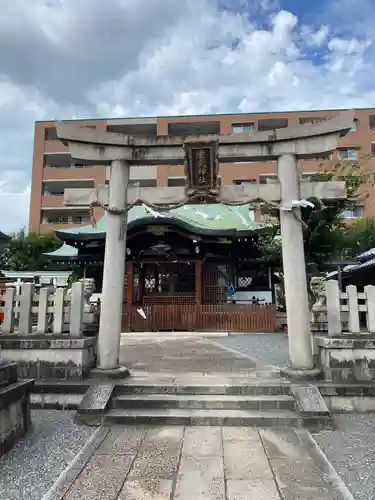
x=8, y=373
x=58, y=394
x=204, y=401
x=203, y=417
x=262, y=388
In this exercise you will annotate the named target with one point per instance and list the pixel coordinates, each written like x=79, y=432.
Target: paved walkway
x=203, y=463
x=198, y=463
x=185, y=355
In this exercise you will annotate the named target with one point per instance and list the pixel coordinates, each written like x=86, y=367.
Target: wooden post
x=351, y=290
x=333, y=308
x=198, y=295
x=141, y=284
x=198, y=283
x=129, y=285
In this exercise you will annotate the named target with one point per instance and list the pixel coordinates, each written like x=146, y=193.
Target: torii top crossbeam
x=302, y=140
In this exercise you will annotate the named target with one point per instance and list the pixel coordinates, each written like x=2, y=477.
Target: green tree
x=359, y=236
x=326, y=232
x=25, y=252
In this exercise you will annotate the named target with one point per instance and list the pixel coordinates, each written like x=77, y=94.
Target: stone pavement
x=157, y=463
x=182, y=355
x=203, y=463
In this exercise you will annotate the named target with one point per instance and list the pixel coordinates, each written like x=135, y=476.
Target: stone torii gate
x=201, y=156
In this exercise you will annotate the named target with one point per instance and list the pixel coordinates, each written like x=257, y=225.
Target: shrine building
x=196, y=267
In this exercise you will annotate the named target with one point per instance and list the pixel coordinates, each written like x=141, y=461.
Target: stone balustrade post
x=76, y=309
x=333, y=308
x=58, y=311
x=353, y=325
x=370, y=313
x=43, y=311
x=8, y=322
x=26, y=301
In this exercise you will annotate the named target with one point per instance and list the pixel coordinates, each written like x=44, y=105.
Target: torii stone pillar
x=294, y=266
x=201, y=155
x=114, y=269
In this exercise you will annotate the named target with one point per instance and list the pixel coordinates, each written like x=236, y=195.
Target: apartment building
x=53, y=169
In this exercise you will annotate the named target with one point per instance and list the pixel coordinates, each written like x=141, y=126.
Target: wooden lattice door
x=214, y=285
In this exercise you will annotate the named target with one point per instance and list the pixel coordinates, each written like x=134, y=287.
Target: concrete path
x=188, y=354
x=197, y=463
x=201, y=463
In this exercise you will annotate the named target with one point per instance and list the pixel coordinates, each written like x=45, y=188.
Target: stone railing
x=42, y=312
x=344, y=312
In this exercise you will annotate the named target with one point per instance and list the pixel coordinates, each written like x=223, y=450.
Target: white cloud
x=314, y=38
x=64, y=59
x=14, y=206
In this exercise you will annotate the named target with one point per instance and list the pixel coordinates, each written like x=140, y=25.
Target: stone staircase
x=256, y=402
x=252, y=405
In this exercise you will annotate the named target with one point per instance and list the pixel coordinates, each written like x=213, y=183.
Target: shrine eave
x=211, y=220
x=4, y=237
x=66, y=235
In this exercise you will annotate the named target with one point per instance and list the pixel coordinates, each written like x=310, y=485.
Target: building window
x=194, y=128
x=56, y=220
x=354, y=126
x=50, y=134
x=242, y=128
x=308, y=175
x=348, y=154
x=312, y=119
x=80, y=219
x=372, y=121
x=319, y=157
x=52, y=193
x=143, y=183
x=241, y=182
x=263, y=179
x=176, y=181
x=353, y=213
x=272, y=124
x=373, y=149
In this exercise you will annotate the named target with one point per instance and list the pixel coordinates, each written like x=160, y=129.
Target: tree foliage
x=326, y=232
x=24, y=252
x=359, y=236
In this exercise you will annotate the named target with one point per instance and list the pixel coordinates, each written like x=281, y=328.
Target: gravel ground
x=264, y=348
x=30, y=469
x=351, y=450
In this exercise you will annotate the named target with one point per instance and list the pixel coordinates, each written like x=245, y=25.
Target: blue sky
x=63, y=59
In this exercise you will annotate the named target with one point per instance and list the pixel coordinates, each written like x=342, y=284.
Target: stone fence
x=31, y=313
x=347, y=354
x=344, y=312
x=50, y=335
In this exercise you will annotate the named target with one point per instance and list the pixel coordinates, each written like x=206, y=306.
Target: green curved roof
x=65, y=251
x=215, y=219
x=4, y=237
